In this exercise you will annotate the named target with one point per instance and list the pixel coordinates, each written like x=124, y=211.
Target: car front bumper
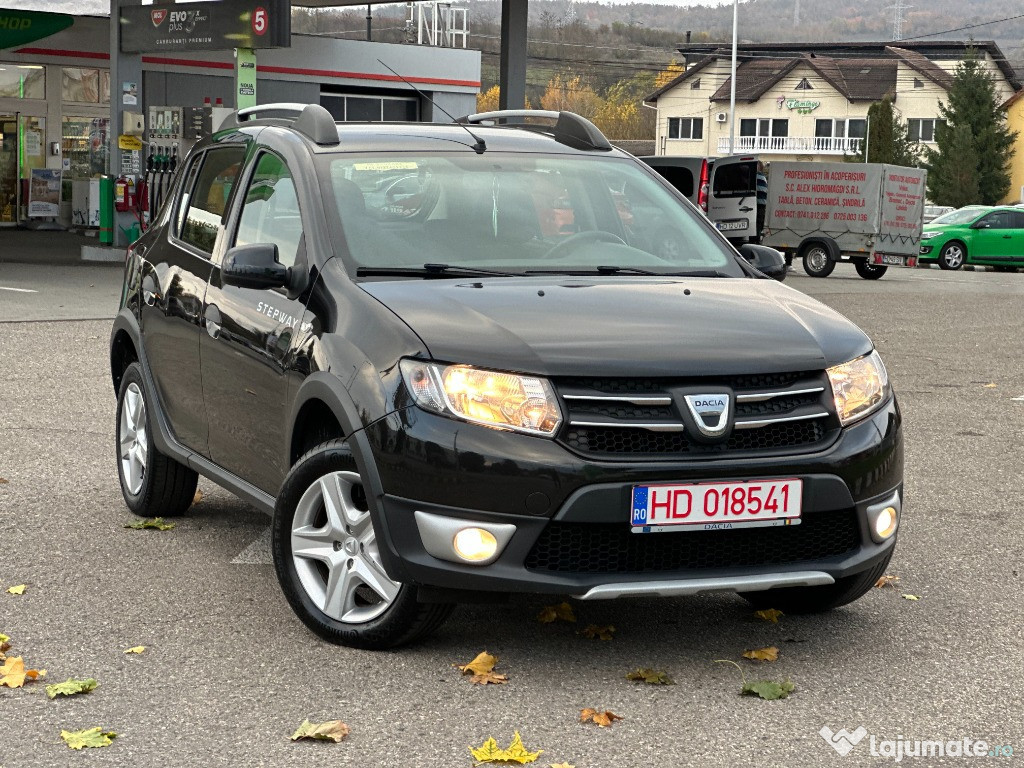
x=571, y=515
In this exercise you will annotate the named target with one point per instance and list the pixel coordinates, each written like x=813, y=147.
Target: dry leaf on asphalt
x=13, y=673
x=157, y=523
x=5, y=645
x=482, y=670
x=768, y=689
x=888, y=580
x=3, y=481
x=18, y=590
x=604, y=632
x=911, y=597
x=332, y=730
x=197, y=498
x=601, y=719
x=90, y=737
x=769, y=614
x=650, y=676
x=550, y=613
x=71, y=687
x=562, y=765
x=494, y=678
x=990, y=385
x=135, y=649
x=490, y=752
x=771, y=653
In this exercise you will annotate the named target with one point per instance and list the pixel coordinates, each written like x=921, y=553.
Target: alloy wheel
x=133, y=439
x=953, y=256
x=335, y=553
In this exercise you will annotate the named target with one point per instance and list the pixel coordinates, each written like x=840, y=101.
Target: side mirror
x=767, y=261
x=254, y=266
x=981, y=225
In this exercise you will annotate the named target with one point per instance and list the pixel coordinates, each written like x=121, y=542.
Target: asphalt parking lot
x=229, y=672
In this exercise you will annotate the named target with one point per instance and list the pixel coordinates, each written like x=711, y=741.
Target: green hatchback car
x=976, y=234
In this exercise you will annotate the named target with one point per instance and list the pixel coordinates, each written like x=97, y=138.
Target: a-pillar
x=512, y=63
x=124, y=68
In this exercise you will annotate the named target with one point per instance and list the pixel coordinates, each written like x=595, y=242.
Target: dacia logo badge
x=710, y=413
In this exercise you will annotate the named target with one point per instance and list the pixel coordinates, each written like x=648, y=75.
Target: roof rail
x=311, y=120
x=569, y=128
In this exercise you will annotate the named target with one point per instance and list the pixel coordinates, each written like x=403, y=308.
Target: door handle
x=1007, y=237
x=745, y=209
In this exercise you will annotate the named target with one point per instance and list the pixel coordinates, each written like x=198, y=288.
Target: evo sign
x=21, y=27
x=212, y=26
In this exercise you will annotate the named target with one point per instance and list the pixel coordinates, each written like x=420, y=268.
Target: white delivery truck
x=869, y=214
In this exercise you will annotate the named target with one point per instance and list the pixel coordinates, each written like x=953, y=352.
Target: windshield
x=517, y=213
x=961, y=216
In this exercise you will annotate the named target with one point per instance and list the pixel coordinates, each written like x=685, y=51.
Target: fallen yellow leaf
x=601, y=719
x=13, y=673
x=562, y=765
x=481, y=665
x=157, y=523
x=889, y=580
x=135, y=649
x=770, y=653
x=550, y=613
x=91, y=737
x=197, y=498
x=769, y=614
x=650, y=676
x=911, y=597
x=494, y=678
x=990, y=385
x=490, y=752
x=605, y=632
x=18, y=590
x=332, y=730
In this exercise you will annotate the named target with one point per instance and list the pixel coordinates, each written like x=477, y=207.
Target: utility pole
x=369, y=23
x=732, y=80
x=897, y=19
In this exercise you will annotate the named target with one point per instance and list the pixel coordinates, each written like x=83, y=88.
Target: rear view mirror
x=767, y=261
x=254, y=266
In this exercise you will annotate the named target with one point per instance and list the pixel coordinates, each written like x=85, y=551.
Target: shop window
x=85, y=145
x=22, y=82
x=686, y=127
x=84, y=85
x=370, y=108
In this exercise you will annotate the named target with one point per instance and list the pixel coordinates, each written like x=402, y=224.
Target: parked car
x=932, y=212
x=976, y=234
x=488, y=374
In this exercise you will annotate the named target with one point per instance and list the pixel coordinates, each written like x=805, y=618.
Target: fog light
x=475, y=544
x=885, y=523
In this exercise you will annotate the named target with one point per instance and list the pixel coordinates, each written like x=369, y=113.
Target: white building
x=809, y=101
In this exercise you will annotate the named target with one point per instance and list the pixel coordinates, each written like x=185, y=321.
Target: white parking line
x=18, y=290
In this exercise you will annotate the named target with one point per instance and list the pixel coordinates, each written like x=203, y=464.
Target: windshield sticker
x=394, y=165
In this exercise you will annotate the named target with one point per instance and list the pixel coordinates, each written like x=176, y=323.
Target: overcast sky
x=87, y=7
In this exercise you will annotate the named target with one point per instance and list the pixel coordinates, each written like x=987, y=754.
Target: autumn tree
x=886, y=140
x=972, y=116
x=570, y=94
x=667, y=75
x=621, y=114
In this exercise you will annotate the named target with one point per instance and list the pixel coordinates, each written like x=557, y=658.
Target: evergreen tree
x=887, y=140
x=973, y=113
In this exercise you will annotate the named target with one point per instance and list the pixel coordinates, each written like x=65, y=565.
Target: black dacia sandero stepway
x=460, y=361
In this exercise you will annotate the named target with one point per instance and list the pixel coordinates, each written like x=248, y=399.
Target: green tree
x=887, y=140
x=973, y=113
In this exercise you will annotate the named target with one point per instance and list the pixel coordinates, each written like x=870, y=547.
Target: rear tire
x=153, y=485
x=797, y=600
x=952, y=256
x=336, y=583
x=870, y=271
x=817, y=261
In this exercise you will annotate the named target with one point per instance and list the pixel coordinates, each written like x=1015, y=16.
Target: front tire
x=797, y=600
x=952, y=256
x=870, y=271
x=327, y=558
x=817, y=261
x=153, y=485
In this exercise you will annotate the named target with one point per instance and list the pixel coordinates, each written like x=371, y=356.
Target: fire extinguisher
x=121, y=194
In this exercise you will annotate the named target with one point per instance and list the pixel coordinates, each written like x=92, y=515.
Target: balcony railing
x=803, y=145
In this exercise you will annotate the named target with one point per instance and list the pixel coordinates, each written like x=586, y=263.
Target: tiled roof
x=681, y=77
x=856, y=79
x=924, y=66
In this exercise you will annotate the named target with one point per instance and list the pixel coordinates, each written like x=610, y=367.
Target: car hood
x=622, y=326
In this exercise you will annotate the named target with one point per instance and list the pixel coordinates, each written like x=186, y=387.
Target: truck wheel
x=153, y=485
x=327, y=558
x=819, y=599
x=952, y=255
x=817, y=262
x=870, y=271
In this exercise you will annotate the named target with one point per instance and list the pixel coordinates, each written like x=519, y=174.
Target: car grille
x=629, y=418
x=614, y=548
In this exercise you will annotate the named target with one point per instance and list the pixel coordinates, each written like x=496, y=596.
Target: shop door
x=9, y=169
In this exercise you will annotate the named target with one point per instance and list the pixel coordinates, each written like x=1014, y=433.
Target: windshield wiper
x=612, y=270
x=432, y=269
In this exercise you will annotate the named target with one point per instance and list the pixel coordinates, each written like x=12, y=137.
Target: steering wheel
x=583, y=238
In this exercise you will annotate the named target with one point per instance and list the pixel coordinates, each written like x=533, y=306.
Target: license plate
x=712, y=506
x=725, y=226
x=889, y=258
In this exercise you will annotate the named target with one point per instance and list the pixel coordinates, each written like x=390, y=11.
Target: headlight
x=496, y=399
x=859, y=387
x=929, y=235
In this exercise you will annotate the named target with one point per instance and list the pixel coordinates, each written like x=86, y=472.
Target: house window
x=686, y=127
x=918, y=83
x=765, y=127
x=922, y=129
x=839, y=135
x=803, y=85
x=695, y=85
